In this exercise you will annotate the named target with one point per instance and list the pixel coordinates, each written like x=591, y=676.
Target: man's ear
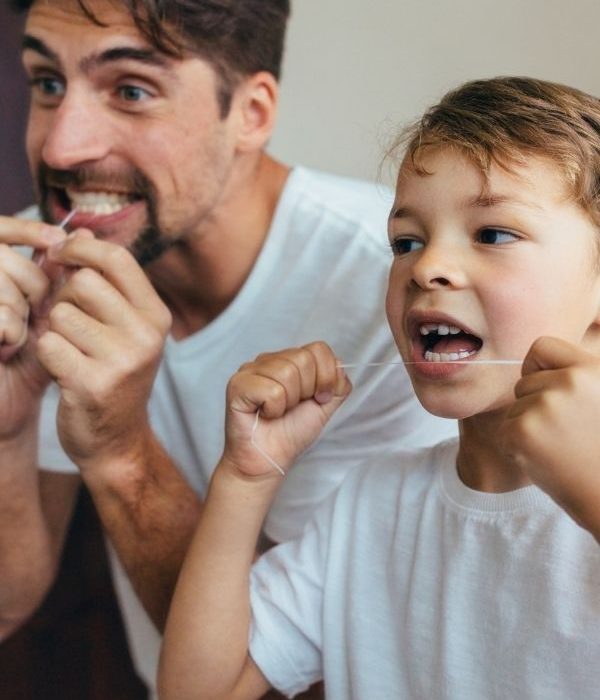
x=256, y=102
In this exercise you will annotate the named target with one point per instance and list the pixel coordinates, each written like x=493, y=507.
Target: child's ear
x=256, y=101
x=591, y=340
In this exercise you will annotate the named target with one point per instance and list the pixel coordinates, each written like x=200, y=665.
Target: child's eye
x=403, y=246
x=133, y=93
x=496, y=236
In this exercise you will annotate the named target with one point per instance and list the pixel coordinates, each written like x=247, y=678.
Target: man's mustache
x=130, y=181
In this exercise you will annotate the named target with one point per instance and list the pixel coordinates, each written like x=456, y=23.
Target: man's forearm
x=149, y=513
x=28, y=557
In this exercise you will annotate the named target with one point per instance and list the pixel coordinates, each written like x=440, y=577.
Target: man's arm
x=34, y=508
x=205, y=652
x=35, y=511
x=103, y=346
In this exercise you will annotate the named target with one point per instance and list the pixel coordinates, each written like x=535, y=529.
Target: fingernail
x=52, y=234
x=323, y=397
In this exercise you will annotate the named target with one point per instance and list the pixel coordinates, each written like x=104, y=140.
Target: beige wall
x=355, y=68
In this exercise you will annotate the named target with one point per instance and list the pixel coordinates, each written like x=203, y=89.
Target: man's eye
x=496, y=236
x=403, y=246
x=48, y=86
x=133, y=93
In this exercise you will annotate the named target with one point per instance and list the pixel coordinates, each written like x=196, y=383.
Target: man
x=193, y=251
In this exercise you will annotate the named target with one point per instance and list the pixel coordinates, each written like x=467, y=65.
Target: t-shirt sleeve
x=286, y=596
x=51, y=455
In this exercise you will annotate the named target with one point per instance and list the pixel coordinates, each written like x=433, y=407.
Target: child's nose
x=437, y=267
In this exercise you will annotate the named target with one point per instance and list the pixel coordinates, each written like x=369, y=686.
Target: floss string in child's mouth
x=280, y=469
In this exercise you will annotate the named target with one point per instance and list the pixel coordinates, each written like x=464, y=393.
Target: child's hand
x=553, y=428
x=297, y=391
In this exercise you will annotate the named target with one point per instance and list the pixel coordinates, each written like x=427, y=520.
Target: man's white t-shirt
x=408, y=584
x=322, y=275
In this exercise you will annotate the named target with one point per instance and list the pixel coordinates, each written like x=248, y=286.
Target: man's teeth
x=99, y=203
x=439, y=328
x=447, y=356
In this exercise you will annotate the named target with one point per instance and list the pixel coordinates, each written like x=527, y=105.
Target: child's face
x=479, y=275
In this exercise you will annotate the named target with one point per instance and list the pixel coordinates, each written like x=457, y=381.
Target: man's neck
x=201, y=275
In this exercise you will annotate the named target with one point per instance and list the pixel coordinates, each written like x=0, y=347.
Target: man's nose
x=78, y=133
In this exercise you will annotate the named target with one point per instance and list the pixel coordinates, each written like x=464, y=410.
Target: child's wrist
x=229, y=479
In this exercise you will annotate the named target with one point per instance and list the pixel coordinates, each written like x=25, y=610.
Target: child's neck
x=482, y=464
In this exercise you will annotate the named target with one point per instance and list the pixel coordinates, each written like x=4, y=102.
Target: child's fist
x=296, y=391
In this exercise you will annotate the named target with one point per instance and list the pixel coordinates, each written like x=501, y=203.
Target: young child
x=472, y=569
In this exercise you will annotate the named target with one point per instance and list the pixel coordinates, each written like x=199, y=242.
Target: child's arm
x=553, y=428
x=205, y=650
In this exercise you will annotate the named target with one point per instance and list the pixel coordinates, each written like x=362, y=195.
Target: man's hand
x=24, y=288
x=296, y=390
x=106, y=333
x=552, y=429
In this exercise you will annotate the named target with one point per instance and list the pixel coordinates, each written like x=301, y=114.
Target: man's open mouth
x=97, y=203
x=445, y=343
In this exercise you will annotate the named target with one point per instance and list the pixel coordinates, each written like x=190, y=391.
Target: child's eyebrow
x=402, y=213
x=493, y=200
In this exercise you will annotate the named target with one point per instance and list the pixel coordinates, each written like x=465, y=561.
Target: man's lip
x=88, y=219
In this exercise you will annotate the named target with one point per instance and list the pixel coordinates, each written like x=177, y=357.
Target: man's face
x=128, y=136
x=479, y=274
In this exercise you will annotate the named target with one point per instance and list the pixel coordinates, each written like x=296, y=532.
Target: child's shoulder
x=402, y=475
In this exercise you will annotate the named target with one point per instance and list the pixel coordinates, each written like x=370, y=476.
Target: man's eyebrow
x=147, y=56
x=126, y=53
x=32, y=44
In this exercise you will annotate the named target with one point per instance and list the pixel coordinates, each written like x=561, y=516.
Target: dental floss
x=281, y=471
x=271, y=461
x=67, y=218
x=437, y=362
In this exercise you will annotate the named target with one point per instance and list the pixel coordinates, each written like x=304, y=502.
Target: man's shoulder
x=31, y=213
x=349, y=200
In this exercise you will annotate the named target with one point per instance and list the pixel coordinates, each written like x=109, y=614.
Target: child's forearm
x=206, y=640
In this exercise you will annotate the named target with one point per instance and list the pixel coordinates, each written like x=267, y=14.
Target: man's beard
x=150, y=243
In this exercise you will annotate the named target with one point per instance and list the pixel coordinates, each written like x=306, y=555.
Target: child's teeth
x=440, y=329
x=446, y=356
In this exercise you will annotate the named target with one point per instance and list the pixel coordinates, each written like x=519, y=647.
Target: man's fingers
x=33, y=234
x=24, y=274
x=81, y=330
x=60, y=358
x=113, y=262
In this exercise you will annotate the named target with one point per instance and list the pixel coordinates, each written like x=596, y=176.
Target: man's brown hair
x=237, y=37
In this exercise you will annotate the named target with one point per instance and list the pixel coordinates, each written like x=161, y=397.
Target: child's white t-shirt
x=407, y=584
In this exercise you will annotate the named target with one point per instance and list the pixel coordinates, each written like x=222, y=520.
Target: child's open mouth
x=446, y=343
